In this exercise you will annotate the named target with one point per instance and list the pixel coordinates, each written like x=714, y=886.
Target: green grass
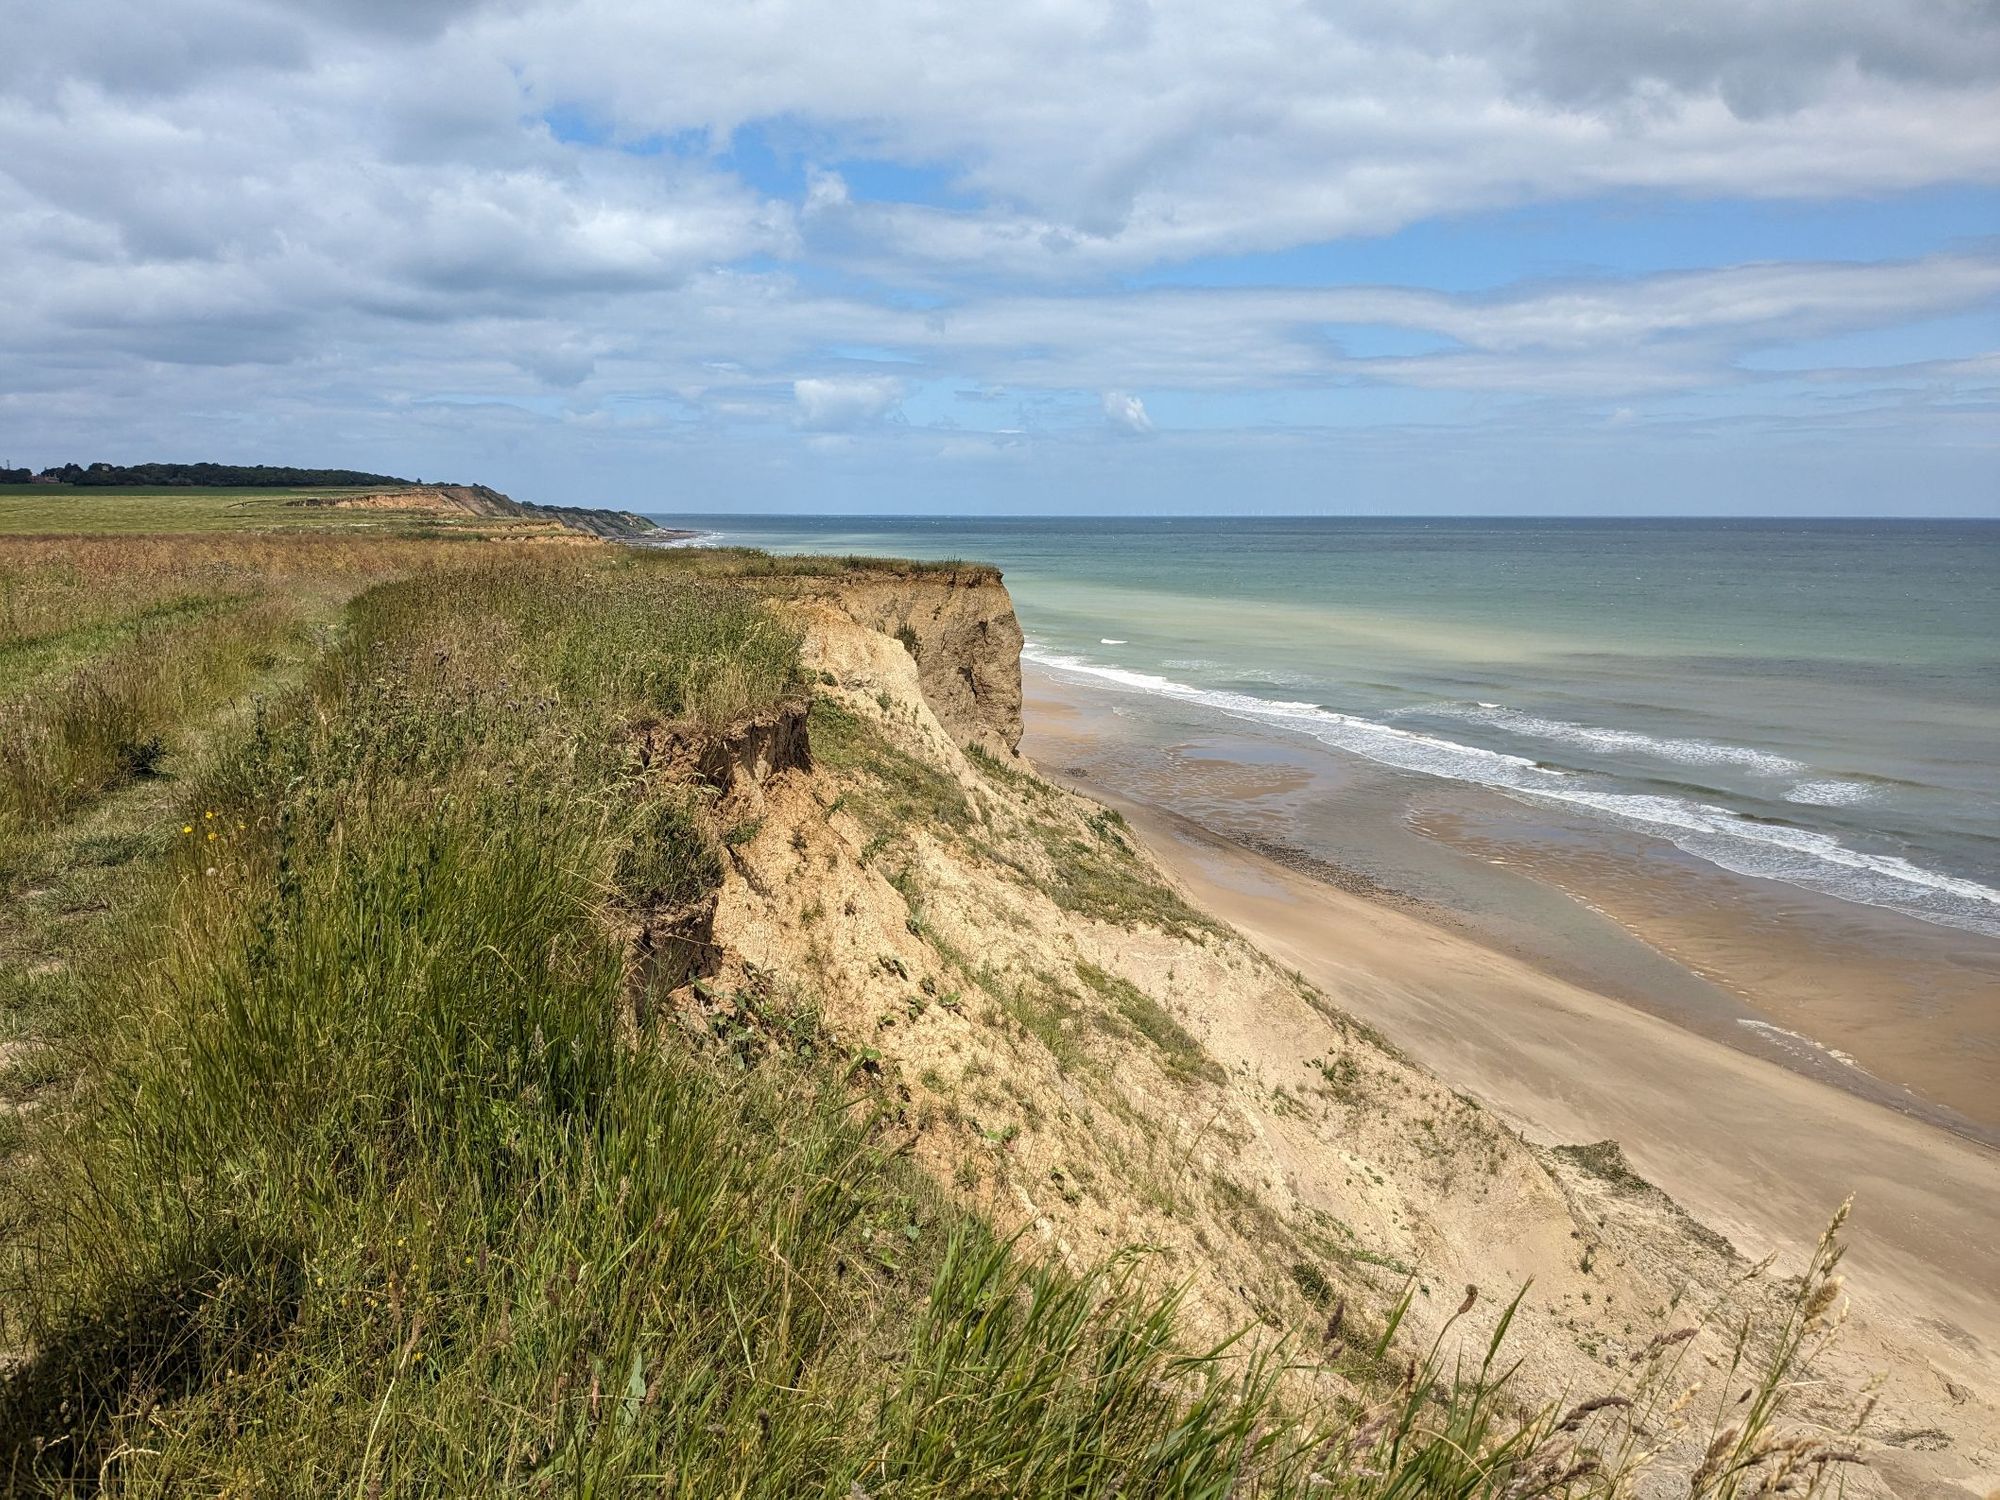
x=895, y=793
x=1014, y=776
x=670, y=857
x=1179, y=1052
x=361, y=1186
x=612, y=633
x=751, y=564
x=44, y=510
x=107, y=723
x=29, y=657
x=1098, y=876
x=368, y=1194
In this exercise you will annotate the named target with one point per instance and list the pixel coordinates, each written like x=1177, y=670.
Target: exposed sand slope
x=457, y=501
x=1084, y=1055
x=1751, y=1149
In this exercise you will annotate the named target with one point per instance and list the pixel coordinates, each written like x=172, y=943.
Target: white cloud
x=1107, y=134
x=1126, y=411
x=826, y=192
x=833, y=405
x=362, y=215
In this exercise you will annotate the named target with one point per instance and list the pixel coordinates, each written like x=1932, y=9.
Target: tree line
x=209, y=476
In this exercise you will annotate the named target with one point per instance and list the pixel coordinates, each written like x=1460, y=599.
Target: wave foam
x=1688, y=751
x=1799, y=1042
x=1798, y=856
x=1832, y=791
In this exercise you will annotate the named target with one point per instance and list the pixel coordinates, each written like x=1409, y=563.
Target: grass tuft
x=897, y=792
x=1180, y=1053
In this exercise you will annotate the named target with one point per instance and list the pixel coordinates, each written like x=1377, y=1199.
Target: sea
x=1815, y=703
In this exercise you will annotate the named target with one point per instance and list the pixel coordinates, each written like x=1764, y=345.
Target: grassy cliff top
x=56, y=510
x=426, y=511
x=751, y=563
x=353, y=1139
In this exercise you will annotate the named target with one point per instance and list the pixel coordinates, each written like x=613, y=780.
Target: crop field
x=57, y=510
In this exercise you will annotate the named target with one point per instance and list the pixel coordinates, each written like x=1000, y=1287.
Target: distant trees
x=209, y=476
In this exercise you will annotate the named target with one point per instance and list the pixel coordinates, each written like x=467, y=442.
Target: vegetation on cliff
x=342, y=1156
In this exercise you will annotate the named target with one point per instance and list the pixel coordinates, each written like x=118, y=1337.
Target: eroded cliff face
x=455, y=500
x=958, y=627
x=1081, y=1055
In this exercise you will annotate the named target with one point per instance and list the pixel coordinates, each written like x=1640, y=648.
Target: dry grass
x=110, y=647
x=362, y=1188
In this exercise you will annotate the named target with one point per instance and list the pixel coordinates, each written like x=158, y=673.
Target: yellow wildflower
x=187, y=828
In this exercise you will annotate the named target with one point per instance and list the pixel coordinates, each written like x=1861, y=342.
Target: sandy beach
x=1759, y=1151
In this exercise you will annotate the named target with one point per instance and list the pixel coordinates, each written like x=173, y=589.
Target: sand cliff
x=1086, y=1056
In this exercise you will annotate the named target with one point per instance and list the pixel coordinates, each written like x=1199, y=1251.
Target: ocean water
x=1811, y=702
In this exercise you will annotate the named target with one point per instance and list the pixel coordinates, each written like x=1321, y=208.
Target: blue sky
x=1463, y=256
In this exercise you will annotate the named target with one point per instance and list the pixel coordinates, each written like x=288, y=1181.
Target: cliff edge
x=1087, y=1058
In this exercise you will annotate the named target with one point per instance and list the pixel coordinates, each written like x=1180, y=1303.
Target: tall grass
x=371, y=1196
x=51, y=587
x=108, y=722
x=110, y=647
x=620, y=635
x=752, y=563
x=368, y=1194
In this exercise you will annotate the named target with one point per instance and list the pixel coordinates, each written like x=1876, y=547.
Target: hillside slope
x=449, y=501
x=589, y=1019
x=1088, y=1058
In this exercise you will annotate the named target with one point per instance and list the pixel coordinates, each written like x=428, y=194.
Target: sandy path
x=1760, y=1153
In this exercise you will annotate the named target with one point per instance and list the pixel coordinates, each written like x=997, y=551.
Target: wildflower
x=211, y=836
x=210, y=815
x=187, y=828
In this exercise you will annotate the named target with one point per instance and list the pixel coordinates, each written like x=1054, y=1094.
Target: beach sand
x=1760, y=1151
x=1901, y=1012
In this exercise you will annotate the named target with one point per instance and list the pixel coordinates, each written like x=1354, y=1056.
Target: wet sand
x=1900, y=1012
x=1761, y=1151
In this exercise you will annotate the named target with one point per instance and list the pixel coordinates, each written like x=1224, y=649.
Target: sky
x=1050, y=257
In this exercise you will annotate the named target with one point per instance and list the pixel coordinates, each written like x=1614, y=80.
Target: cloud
x=826, y=192
x=835, y=405
x=688, y=225
x=1126, y=411
x=1104, y=136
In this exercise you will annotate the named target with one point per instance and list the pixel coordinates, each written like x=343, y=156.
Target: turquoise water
x=1810, y=702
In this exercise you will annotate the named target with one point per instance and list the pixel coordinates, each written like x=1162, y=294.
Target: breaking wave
x=1799, y=856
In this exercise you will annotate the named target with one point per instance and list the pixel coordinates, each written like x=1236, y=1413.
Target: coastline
x=1894, y=1010
x=1759, y=1151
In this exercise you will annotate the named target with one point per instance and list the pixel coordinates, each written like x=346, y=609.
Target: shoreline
x=1889, y=1009
x=663, y=536
x=1757, y=1150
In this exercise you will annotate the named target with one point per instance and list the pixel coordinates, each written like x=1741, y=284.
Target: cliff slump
x=1083, y=1056
x=958, y=625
